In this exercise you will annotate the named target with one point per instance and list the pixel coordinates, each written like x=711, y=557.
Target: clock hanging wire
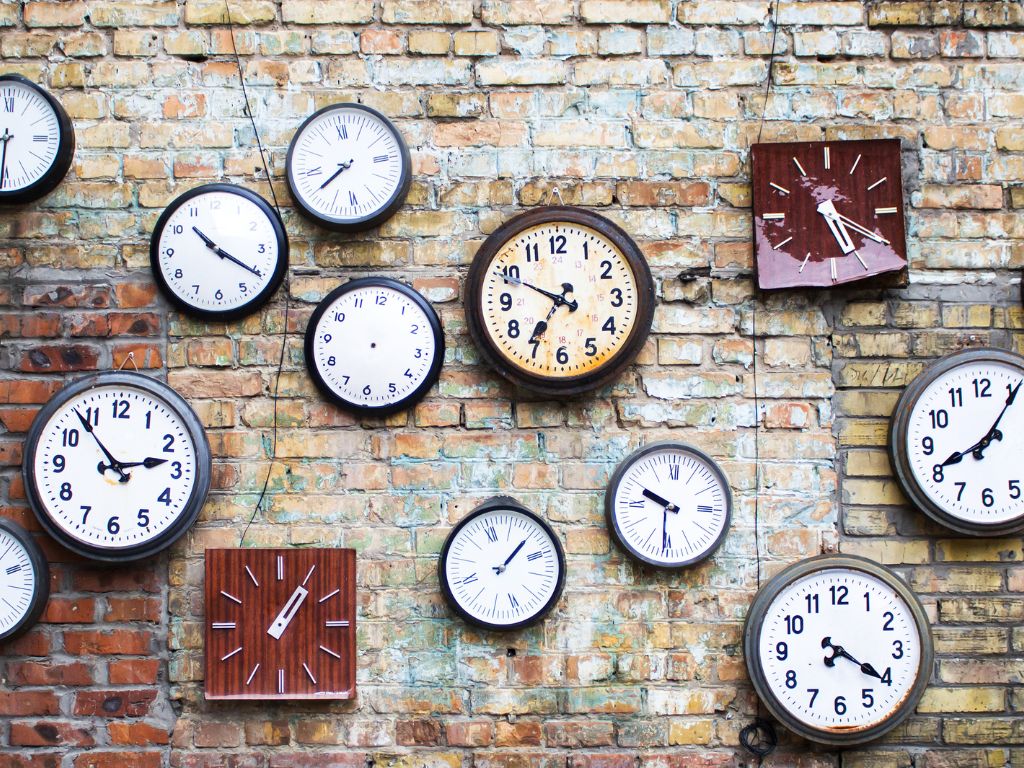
x=286, y=285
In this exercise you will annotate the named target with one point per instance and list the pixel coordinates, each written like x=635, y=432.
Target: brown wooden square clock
x=827, y=212
x=280, y=623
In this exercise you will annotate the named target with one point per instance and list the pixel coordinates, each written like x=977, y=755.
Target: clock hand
x=668, y=505
x=978, y=449
x=284, y=618
x=864, y=231
x=828, y=210
x=664, y=528
x=538, y=330
x=838, y=652
x=341, y=167
x=3, y=159
x=501, y=568
x=149, y=462
x=558, y=299
x=115, y=465
x=224, y=254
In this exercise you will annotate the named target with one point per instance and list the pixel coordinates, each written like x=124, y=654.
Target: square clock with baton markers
x=280, y=623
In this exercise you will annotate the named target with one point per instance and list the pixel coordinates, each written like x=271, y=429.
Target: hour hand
x=836, y=226
x=114, y=464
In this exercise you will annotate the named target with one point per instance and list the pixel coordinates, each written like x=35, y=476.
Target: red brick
x=134, y=324
x=317, y=760
x=47, y=733
x=59, y=357
x=91, y=296
x=17, y=419
x=218, y=734
x=10, y=454
x=126, y=579
x=521, y=734
x=114, y=703
x=32, y=760
x=22, y=703
x=592, y=733
x=134, y=295
x=27, y=391
x=48, y=673
x=119, y=760
x=133, y=671
x=146, y=355
x=412, y=733
x=133, y=609
x=478, y=733
x=117, y=641
x=137, y=734
x=32, y=643
x=602, y=760
x=68, y=610
x=96, y=325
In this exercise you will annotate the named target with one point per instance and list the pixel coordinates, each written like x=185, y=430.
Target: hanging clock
x=559, y=300
x=956, y=440
x=219, y=251
x=668, y=505
x=117, y=466
x=24, y=580
x=37, y=140
x=502, y=566
x=827, y=212
x=838, y=648
x=280, y=623
x=348, y=168
x=374, y=346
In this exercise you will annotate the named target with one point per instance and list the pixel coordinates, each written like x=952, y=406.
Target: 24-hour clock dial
x=838, y=649
x=24, y=580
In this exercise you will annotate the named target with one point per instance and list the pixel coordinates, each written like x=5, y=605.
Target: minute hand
x=978, y=449
x=855, y=226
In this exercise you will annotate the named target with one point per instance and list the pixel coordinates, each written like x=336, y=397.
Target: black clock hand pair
x=224, y=254
x=542, y=326
x=3, y=158
x=114, y=464
x=978, y=449
x=501, y=568
x=668, y=505
x=838, y=652
x=558, y=299
x=341, y=168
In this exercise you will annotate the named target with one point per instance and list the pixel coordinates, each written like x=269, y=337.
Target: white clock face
x=502, y=568
x=839, y=650
x=371, y=344
x=114, y=467
x=669, y=505
x=218, y=251
x=347, y=164
x=965, y=440
x=29, y=136
x=17, y=581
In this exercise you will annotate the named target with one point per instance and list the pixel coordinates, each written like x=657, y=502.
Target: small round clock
x=668, y=505
x=559, y=300
x=502, y=566
x=24, y=580
x=956, y=440
x=374, y=345
x=117, y=466
x=348, y=168
x=37, y=140
x=838, y=649
x=219, y=251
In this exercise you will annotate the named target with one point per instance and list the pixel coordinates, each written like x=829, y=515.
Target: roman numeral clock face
x=24, y=580
x=36, y=140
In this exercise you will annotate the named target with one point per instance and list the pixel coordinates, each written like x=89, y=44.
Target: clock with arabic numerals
x=956, y=440
x=374, y=346
x=502, y=567
x=37, y=140
x=24, y=580
x=559, y=300
x=838, y=648
x=117, y=466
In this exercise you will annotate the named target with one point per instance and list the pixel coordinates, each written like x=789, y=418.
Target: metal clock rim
x=190, y=510
x=613, y=484
x=568, y=385
x=380, y=215
x=490, y=505
x=41, y=571
x=754, y=623
x=433, y=373
x=899, y=424
x=259, y=299
x=53, y=176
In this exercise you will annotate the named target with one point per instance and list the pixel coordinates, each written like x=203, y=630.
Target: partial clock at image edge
x=21, y=560
x=621, y=252
x=880, y=581
x=72, y=475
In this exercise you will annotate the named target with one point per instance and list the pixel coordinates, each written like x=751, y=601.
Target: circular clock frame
x=189, y=511
x=383, y=212
x=258, y=299
x=612, y=521
x=61, y=164
x=41, y=573
x=434, y=322
x=899, y=452
x=560, y=385
x=494, y=504
x=752, y=638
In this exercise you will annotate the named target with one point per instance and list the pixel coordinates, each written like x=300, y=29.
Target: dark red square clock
x=827, y=212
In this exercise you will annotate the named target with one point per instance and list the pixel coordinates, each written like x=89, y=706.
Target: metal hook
x=129, y=359
x=555, y=192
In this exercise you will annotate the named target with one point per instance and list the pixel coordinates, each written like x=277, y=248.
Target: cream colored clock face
x=559, y=300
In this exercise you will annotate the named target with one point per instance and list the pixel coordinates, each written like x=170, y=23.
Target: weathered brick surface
x=643, y=110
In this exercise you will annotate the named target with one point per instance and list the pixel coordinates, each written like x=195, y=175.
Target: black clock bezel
x=258, y=299
x=611, y=520
x=383, y=213
x=190, y=510
x=511, y=505
x=560, y=385
x=41, y=571
x=55, y=174
x=433, y=373
x=752, y=640
x=899, y=452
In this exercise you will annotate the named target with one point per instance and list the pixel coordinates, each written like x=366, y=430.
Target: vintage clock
x=280, y=623
x=668, y=505
x=37, y=140
x=219, y=251
x=374, y=346
x=957, y=440
x=24, y=580
x=117, y=466
x=502, y=566
x=559, y=300
x=838, y=648
x=348, y=168
x=827, y=212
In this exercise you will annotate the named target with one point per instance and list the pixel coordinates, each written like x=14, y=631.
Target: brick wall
x=643, y=110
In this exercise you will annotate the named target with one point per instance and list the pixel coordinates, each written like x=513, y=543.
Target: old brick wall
x=643, y=110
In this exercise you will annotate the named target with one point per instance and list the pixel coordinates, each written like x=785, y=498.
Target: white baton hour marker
x=280, y=681
x=329, y=652
x=783, y=190
x=832, y=266
x=782, y=243
x=883, y=211
x=777, y=216
x=308, y=673
x=860, y=260
x=828, y=160
x=329, y=595
x=854, y=168
x=336, y=623
x=228, y=656
x=223, y=625
x=880, y=181
x=280, y=568
x=252, y=576
x=252, y=674
x=308, y=575
x=799, y=167
x=804, y=263
x=232, y=598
